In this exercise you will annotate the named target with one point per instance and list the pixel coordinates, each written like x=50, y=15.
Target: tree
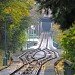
x=17, y=10
x=63, y=11
x=18, y=35
x=68, y=44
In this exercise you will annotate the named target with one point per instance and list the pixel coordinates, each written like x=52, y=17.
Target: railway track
x=33, y=59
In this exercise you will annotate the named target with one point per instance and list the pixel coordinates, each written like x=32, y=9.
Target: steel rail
x=29, y=58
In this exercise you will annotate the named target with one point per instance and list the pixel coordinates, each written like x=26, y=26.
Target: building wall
x=46, y=26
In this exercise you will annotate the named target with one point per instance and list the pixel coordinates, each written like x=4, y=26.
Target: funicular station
x=40, y=55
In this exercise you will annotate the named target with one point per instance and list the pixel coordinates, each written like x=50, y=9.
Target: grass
x=1, y=59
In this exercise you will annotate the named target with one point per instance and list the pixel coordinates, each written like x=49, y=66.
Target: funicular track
x=33, y=59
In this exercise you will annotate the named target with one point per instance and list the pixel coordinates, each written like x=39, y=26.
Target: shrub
x=68, y=44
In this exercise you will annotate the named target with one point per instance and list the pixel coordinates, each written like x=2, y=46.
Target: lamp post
x=33, y=28
x=27, y=30
x=6, y=53
x=38, y=29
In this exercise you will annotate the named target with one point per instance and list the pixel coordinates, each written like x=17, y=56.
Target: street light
x=27, y=30
x=33, y=28
x=5, y=57
x=6, y=53
x=38, y=28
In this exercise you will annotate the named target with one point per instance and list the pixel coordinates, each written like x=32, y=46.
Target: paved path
x=16, y=64
x=48, y=68
x=10, y=69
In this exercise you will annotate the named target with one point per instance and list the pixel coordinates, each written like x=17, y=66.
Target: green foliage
x=63, y=11
x=68, y=44
x=17, y=10
x=18, y=35
x=16, y=15
x=57, y=33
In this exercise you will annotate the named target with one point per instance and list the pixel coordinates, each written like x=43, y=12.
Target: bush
x=68, y=44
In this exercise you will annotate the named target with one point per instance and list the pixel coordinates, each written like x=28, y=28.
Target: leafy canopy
x=16, y=15
x=63, y=11
x=68, y=44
